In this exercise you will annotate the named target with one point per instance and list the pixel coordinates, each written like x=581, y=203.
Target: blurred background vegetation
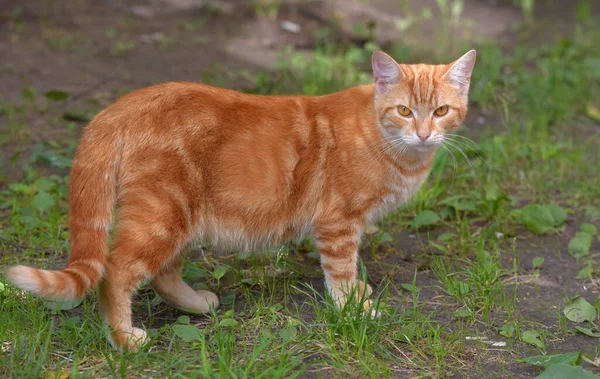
x=498, y=245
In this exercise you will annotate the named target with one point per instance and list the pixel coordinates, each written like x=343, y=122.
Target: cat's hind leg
x=174, y=291
x=114, y=298
x=151, y=232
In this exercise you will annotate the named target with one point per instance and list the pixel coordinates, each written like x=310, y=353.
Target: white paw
x=374, y=313
x=136, y=339
x=210, y=298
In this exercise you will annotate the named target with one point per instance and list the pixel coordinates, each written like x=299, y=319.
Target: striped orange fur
x=180, y=161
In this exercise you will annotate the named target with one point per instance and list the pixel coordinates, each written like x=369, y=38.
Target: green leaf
x=558, y=214
x=492, y=192
x=193, y=272
x=425, y=218
x=44, y=185
x=441, y=248
x=43, y=201
x=406, y=334
x=446, y=236
x=228, y=298
x=465, y=205
x=156, y=300
x=588, y=332
x=1, y=287
x=55, y=160
x=532, y=337
x=219, y=272
x=191, y=310
x=19, y=188
x=579, y=246
x=592, y=112
x=61, y=305
x=77, y=115
x=579, y=310
x=463, y=288
x=56, y=95
x=537, y=218
x=409, y=287
x=276, y=307
x=589, y=229
x=572, y=359
x=507, y=330
x=460, y=203
x=597, y=304
x=229, y=313
x=564, y=371
x=288, y=334
x=462, y=313
x=227, y=322
x=537, y=262
x=30, y=221
x=183, y=320
x=385, y=237
x=188, y=333
x=584, y=273
x=60, y=374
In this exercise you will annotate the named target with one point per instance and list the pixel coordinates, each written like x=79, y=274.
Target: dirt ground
x=98, y=49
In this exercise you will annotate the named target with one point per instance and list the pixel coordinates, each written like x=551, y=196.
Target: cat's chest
x=397, y=192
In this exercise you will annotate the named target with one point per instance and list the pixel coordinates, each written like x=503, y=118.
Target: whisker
x=463, y=154
x=455, y=164
x=470, y=144
x=463, y=137
x=392, y=147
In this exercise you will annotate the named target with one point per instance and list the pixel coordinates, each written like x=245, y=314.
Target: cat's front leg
x=338, y=249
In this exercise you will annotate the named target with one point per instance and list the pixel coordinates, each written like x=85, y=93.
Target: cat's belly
x=229, y=235
x=262, y=231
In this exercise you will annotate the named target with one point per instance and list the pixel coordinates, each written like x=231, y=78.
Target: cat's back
x=194, y=97
x=190, y=108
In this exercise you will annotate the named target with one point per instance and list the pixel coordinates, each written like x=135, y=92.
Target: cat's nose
x=423, y=136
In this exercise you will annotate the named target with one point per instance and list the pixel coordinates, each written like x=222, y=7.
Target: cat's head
x=418, y=104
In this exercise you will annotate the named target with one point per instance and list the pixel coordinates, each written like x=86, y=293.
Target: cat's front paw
x=209, y=299
x=359, y=292
x=368, y=307
x=136, y=339
x=128, y=341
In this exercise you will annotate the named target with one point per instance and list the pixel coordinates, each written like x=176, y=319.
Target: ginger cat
x=181, y=161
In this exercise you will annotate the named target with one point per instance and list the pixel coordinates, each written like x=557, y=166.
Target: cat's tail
x=92, y=195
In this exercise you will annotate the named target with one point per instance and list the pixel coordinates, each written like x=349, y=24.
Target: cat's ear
x=459, y=73
x=385, y=70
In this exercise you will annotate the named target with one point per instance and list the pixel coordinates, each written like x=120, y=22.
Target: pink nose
x=423, y=137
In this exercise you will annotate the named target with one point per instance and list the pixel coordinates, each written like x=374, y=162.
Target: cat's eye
x=404, y=111
x=441, y=111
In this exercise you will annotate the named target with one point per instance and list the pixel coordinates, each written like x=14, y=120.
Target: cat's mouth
x=424, y=147
x=427, y=145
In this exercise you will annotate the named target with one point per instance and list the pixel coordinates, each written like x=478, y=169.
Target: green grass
x=462, y=271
